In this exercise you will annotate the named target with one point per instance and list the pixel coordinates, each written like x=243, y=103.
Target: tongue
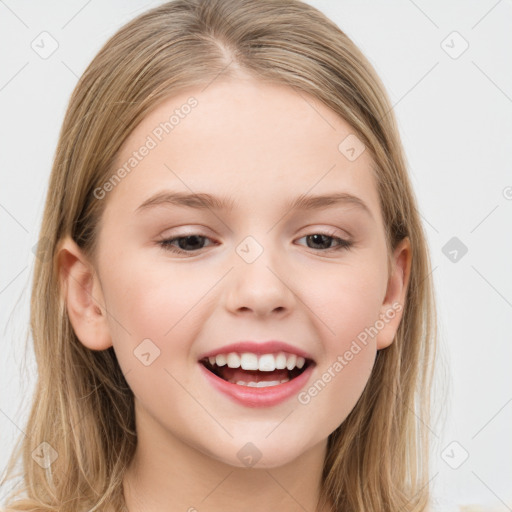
x=237, y=374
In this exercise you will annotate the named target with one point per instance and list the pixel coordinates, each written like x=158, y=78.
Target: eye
x=324, y=240
x=186, y=244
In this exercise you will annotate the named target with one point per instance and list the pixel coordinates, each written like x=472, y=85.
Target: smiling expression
x=245, y=223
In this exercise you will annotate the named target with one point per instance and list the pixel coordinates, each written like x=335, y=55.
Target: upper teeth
x=263, y=363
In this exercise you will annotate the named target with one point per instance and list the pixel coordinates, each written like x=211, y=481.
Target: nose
x=261, y=287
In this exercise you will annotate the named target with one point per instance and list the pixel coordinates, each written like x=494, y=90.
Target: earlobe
x=83, y=297
x=394, y=301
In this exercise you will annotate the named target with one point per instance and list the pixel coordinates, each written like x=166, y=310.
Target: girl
x=235, y=310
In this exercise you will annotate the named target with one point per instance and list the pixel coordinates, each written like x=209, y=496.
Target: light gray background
x=455, y=117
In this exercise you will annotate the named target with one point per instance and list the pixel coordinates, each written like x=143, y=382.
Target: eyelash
x=166, y=244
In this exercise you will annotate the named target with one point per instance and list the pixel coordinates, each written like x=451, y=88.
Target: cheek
x=348, y=308
x=338, y=386
x=345, y=298
x=346, y=301
x=154, y=323
x=155, y=301
x=152, y=297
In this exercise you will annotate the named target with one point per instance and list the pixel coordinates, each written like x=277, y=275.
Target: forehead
x=253, y=141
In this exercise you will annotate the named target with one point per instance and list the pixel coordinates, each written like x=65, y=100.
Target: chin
x=258, y=455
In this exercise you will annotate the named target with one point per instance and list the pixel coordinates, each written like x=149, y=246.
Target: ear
x=393, y=305
x=83, y=296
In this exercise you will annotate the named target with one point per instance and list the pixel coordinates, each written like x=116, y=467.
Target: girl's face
x=179, y=279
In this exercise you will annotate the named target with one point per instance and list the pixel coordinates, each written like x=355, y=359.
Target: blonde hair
x=377, y=459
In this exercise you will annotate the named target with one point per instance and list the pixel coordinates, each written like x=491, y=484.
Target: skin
x=262, y=145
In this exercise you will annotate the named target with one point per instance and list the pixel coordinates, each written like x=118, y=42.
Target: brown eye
x=323, y=242
x=185, y=244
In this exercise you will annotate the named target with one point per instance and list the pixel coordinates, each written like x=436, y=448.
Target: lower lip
x=259, y=397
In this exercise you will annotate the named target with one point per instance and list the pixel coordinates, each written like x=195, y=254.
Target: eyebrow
x=203, y=201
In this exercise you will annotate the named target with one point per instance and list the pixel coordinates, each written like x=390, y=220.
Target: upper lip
x=254, y=347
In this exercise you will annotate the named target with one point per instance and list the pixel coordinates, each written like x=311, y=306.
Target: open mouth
x=253, y=370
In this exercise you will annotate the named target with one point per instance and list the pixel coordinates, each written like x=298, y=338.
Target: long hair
x=377, y=459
